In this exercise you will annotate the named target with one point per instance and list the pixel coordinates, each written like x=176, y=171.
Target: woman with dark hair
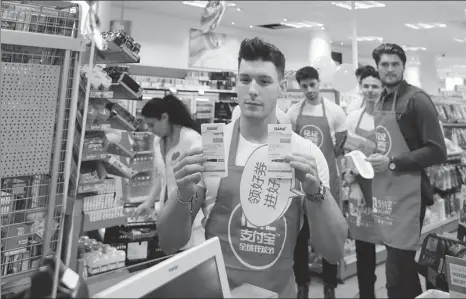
x=175, y=133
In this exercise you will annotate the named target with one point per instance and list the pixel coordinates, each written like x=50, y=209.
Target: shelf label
x=201, y=92
x=173, y=90
x=456, y=274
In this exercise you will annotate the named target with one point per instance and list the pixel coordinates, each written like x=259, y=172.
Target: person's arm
x=174, y=223
x=327, y=225
x=422, y=113
x=341, y=131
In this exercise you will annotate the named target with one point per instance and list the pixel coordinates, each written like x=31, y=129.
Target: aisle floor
x=349, y=289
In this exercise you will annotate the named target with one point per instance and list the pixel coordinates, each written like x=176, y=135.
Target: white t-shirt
x=281, y=116
x=164, y=172
x=367, y=121
x=356, y=103
x=244, y=151
x=335, y=115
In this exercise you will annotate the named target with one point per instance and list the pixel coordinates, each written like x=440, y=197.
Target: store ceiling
x=387, y=22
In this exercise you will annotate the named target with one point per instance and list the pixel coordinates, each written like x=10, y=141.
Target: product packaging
x=213, y=143
x=279, y=144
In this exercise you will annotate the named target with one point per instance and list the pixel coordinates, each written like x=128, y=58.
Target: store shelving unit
x=41, y=51
x=110, y=161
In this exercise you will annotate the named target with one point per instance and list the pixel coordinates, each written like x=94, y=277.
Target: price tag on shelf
x=172, y=90
x=137, y=250
x=201, y=92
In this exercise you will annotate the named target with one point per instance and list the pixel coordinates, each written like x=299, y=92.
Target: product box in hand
x=213, y=143
x=279, y=144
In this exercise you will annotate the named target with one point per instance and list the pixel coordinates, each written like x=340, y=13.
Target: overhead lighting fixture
x=460, y=40
x=238, y=9
x=358, y=4
x=203, y=4
x=406, y=48
x=250, y=26
x=369, y=38
x=303, y=24
x=285, y=20
x=425, y=25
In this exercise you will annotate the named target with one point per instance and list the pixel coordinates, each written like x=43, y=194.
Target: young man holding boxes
x=261, y=256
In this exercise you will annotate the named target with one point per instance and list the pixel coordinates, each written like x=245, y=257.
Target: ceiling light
x=342, y=44
x=250, y=26
x=331, y=42
x=285, y=20
x=358, y=4
x=460, y=40
x=203, y=4
x=232, y=23
x=238, y=9
x=369, y=38
x=406, y=48
x=425, y=25
x=303, y=24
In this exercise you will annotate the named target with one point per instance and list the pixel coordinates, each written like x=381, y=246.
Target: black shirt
x=418, y=122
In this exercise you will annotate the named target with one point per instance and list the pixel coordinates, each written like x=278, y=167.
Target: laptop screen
x=203, y=281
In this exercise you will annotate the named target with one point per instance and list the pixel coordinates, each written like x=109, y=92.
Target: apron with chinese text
x=261, y=256
x=396, y=195
x=364, y=232
x=317, y=129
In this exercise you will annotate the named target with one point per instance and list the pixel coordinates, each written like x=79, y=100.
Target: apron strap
x=360, y=118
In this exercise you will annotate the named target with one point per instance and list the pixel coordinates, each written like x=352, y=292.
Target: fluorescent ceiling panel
x=406, y=48
x=203, y=4
x=302, y=24
x=425, y=25
x=368, y=38
x=358, y=4
x=460, y=40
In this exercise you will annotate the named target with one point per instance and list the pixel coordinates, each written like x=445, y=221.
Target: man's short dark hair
x=362, y=69
x=306, y=73
x=388, y=49
x=369, y=72
x=255, y=48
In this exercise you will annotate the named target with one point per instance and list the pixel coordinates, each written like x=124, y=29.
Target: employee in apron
x=324, y=123
x=409, y=139
x=261, y=256
x=361, y=123
x=358, y=102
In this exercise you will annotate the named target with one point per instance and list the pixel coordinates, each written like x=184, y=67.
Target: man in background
x=324, y=123
x=358, y=101
x=409, y=139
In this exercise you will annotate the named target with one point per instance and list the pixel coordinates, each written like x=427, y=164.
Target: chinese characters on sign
x=367, y=218
x=383, y=210
x=257, y=239
x=270, y=191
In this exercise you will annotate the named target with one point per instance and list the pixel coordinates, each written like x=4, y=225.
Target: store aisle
x=349, y=289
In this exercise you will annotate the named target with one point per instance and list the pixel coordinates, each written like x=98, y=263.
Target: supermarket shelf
x=454, y=125
x=91, y=127
x=89, y=225
x=41, y=40
x=198, y=90
x=447, y=225
x=116, y=54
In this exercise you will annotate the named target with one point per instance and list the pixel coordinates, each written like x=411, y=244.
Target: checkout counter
x=175, y=277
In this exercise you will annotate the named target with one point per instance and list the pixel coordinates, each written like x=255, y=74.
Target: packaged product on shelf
x=118, y=168
x=120, y=116
x=99, y=202
x=92, y=172
x=143, y=141
x=105, y=214
x=214, y=150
